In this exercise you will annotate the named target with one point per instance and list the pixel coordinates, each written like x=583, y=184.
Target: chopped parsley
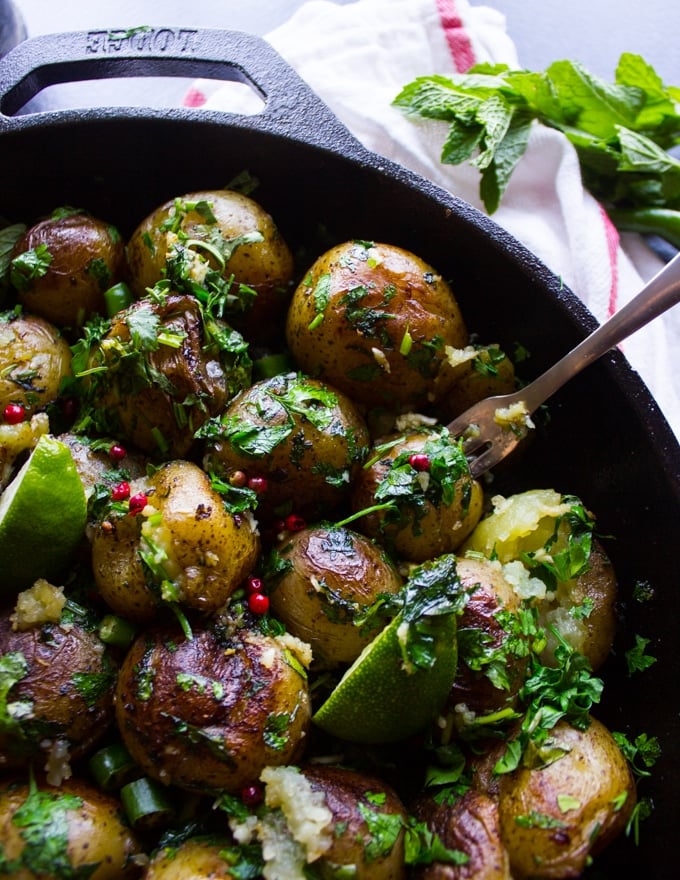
x=27, y=267
x=42, y=821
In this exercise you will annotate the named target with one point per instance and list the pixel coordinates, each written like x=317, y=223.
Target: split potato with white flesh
x=546, y=544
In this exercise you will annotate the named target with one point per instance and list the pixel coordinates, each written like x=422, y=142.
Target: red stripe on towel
x=194, y=98
x=459, y=42
x=612, y=239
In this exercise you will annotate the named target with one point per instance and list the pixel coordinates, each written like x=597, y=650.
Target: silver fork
x=492, y=428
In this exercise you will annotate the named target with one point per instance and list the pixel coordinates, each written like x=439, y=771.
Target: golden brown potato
x=34, y=360
x=489, y=672
x=75, y=830
x=554, y=818
x=208, y=237
x=183, y=546
x=209, y=713
x=470, y=825
x=198, y=858
x=62, y=680
x=162, y=369
x=78, y=258
x=360, y=804
x=434, y=503
x=375, y=321
x=303, y=438
x=480, y=371
x=330, y=575
x=595, y=589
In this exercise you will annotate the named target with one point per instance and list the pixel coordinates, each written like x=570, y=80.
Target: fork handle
x=660, y=293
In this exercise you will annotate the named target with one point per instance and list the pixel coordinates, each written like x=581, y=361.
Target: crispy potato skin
x=266, y=266
x=208, y=550
x=140, y=411
x=374, y=320
x=310, y=469
x=97, y=835
x=597, y=585
x=60, y=661
x=593, y=774
x=334, y=574
x=88, y=257
x=490, y=594
x=209, y=713
x=470, y=825
x=416, y=533
x=347, y=792
x=197, y=858
x=34, y=359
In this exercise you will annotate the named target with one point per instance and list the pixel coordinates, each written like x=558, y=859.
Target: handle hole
x=156, y=92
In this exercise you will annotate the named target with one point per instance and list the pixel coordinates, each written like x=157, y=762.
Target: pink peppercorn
x=14, y=413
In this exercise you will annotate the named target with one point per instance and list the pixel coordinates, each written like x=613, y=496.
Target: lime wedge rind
x=379, y=701
x=43, y=512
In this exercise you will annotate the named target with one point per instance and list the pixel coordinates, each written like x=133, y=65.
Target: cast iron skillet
x=605, y=439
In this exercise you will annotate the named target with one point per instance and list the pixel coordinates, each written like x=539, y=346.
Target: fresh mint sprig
x=621, y=131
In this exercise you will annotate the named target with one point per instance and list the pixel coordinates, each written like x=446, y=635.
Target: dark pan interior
x=605, y=439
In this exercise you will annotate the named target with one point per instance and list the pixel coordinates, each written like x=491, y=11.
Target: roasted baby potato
x=34, y=361
x=161, y=369
x=224, y=242
x=431, y=502
x=554, y=818
x=182, y=546
x=72, y=830
x=198, y=858
x=375, y=321
x=62, y=266
x=61, y=681
x=491, y=666
x=330, y=575
x=361, y=804
x=470, y=825
x=301, y=439
x=477, y=371
x=210, y=712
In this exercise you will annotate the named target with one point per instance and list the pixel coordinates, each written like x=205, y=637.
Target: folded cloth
x=358, y=56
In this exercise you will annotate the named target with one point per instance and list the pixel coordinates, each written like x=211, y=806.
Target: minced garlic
x=41, y=603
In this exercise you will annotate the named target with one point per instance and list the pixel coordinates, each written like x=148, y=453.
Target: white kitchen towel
x=358, y=56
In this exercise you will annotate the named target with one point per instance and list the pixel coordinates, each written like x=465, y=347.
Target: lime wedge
x=42, y=517
x=381, y=700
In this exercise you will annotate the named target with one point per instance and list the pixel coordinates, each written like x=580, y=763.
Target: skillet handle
x=291, y=108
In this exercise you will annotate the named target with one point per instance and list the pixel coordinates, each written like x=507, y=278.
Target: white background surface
x=592, y=31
